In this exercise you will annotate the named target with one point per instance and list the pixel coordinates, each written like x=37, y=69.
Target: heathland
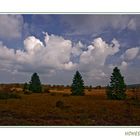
x=55, y=106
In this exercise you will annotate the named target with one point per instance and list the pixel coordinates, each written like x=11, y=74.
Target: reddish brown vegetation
x=59, y=108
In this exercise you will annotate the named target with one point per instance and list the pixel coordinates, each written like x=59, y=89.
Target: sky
x=57, y=45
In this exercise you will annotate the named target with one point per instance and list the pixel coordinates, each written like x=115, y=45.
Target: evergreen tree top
x=77, y=73
x=34, y=74
x=116, y=75
x=116, y=70
x=78, y=76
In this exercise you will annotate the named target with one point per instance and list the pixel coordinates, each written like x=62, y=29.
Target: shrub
x=14, y=96
x=53, y=94
x=66, y=95
x=46, y=90
x=60, y=104
x=98, y=87
x=89, y=88
x=27, y=92
x=9, y=96
x=136, y=93
x=25, y=87
x=4, y=95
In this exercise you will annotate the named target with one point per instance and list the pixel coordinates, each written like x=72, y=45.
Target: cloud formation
x=56, y=54
x=130, y=54
x=93, y=61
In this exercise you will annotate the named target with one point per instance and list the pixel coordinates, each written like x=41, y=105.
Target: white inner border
x=70, y=6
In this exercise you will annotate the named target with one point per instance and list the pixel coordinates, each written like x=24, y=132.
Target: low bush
x=60, y=104
x=27, y=92
x=9, y=96
x=14, y=96
x=46, y=90
x=89, y=89
x=66, y=95
x=4, y=95
x=53, y=94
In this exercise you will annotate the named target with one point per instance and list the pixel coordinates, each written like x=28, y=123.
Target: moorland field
x=56, y=107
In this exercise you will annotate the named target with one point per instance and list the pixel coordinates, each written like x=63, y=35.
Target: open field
x=93, y=109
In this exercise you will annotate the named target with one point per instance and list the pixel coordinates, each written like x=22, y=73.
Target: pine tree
x=117, y=87
x=35, y=84
x=77, y=87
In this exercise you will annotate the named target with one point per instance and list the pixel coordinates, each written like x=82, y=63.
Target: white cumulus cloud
x=130, y=54
x=98, y=52
x=92, y=61
x=54, y=54
x=31, y=43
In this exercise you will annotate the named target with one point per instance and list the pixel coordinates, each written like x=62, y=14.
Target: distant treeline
x=20, y=85
x=133, y=86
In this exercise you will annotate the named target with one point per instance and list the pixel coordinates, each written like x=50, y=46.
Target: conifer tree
x=77, y=87
x=117, y=87
x=35, y=84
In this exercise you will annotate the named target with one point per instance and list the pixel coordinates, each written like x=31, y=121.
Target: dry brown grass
x=91, y=109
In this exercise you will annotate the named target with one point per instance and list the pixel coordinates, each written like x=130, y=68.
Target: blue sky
x=57, y=45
